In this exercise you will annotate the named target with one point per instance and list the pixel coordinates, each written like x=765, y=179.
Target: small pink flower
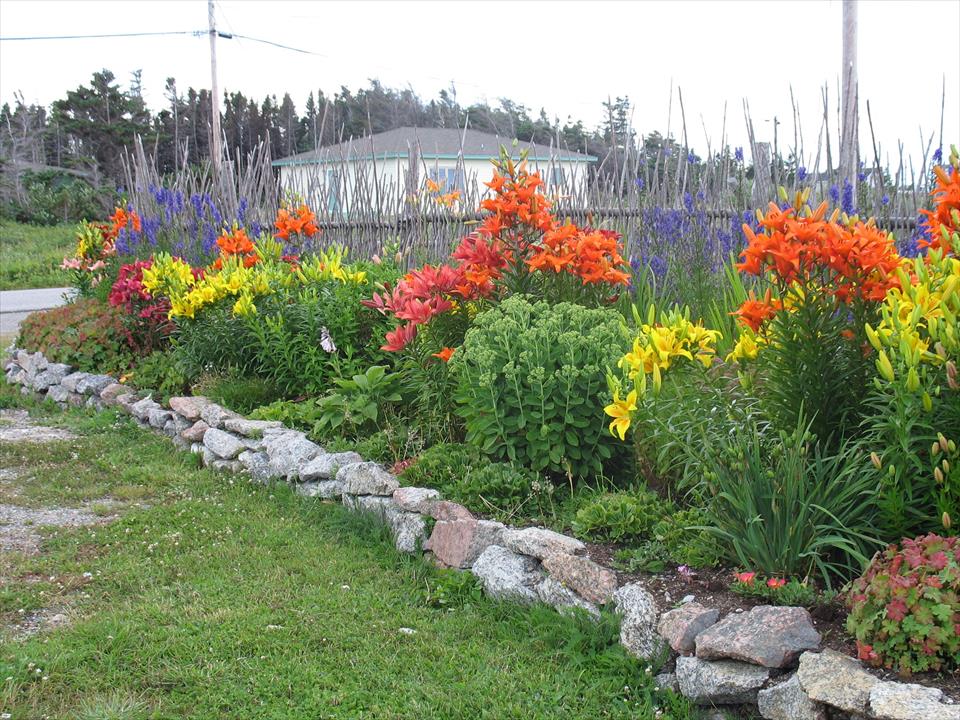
x=70, y=264
x=776, y=583
x=745, y=577
x=98, y=265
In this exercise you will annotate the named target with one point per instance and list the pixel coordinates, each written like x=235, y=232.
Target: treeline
x=87, y=130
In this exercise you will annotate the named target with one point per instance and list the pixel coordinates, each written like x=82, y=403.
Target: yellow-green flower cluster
x=920, y=322
x=657, y=347
x=189, y=292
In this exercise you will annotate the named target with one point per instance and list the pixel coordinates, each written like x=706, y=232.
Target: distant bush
x=54, y=197
x=88, y=334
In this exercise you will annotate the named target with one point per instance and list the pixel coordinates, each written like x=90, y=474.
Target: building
x=387, y=173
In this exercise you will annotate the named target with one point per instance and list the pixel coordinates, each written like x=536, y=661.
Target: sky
x=566, y=57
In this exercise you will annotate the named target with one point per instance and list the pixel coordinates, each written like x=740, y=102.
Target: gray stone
x=53, y=374
x=70, y=381
x=209, y=457
x=458, y=543
x=92, y=401
x=249, y=428
x=112, y=392
x=179, y=443
x=32, y=363
x=563, y=599
x=638, y=623
x=230, y=466
x=189, y=407
x=908, y=701
x=157, y=417
x=722, y=682
x=836, y=679
x=58, y=393
x=326, y=465
x=180, y=422
x=141, y=409
x=414, y=499
x=197, y=448
x=666, y=681
x=76, y=399
x=289, y=451
x=681, y=626
x=257, y=465
x=126, y=401
x=222, y=444
x=170, y=429
x=766, y=635
x=541, y=543
x=446, y=510
x=16, y=376
x=408, y=529
x=253, y=444
x=367, y=478
x=94, y=384
x=323, y=489
x=505, y=575
x=788, y=701
x=212, y=414
x=591, y=581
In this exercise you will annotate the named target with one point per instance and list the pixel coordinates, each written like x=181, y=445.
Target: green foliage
x=300, y=414
x=452, y=589
x=430, y=387
x=918, y=475
x=683, y=534
x=904, y=609
x=649, y=556
x=530, y=379
x=442, y=466
x=159, y=372
x=784, y=506
x=620, y=516
x=498, y=488
x=239, y=393
x=32, y=255
x=88, y=334
x=810, y=369
x=361, y=402
x=56, y=196
x=792, y=592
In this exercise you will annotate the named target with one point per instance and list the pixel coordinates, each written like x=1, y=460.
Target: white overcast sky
x=567, y=57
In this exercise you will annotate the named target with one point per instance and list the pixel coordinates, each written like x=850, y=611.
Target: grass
x=30, y=255
x=221, y=599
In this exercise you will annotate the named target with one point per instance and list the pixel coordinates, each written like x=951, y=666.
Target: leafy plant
x=649, y=556
x=159, y=372
x=236, y=391
x=442, y=466
x=620, y=516
x=452, y=589
x=905, y=609
x=688, y=543
x=362, y=401
x=778, y=591
x=529, y=379
x=87, y=334
x=498, y=488
x=781, y=504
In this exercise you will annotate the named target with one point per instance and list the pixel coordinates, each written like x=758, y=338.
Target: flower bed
x=802, y=416
x=769, y=656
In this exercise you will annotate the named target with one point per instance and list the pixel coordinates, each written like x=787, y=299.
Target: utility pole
x=849, y=141
x=215, y=148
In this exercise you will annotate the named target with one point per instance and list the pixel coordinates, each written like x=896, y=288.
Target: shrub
x=442, y=466
x=620, y=516
x=498, y=487
x=905, y=609
x=87, y=334
x=145, y=318
x=683, y=534
x=529, y=379
x=159, y=372
x=362, y=401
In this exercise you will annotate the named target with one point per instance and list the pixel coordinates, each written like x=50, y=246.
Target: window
x=447, y=179
x=333, y=190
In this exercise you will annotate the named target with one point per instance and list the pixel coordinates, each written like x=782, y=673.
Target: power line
x=275, y=44
x=106, y=35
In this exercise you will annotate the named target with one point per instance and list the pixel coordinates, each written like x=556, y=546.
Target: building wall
x=355, y=188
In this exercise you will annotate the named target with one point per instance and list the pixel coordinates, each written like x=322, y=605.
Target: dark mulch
x=711, y=588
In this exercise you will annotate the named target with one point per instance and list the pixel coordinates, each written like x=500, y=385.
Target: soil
x=710, y=587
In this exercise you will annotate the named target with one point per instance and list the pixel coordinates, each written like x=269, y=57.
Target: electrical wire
x=106, y=35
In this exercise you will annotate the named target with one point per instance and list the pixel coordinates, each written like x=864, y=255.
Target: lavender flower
x=938, y=156
x=801, y=173
x=738, y=154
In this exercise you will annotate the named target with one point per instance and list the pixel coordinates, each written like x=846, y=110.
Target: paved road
x=15, y=305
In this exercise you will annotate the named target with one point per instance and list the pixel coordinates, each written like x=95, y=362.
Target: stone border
x=744, y=658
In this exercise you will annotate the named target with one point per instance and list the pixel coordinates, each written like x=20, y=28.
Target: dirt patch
x=16, y=426
x=19, y=526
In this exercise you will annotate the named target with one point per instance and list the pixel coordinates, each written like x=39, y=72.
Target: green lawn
x=214, y=598
x=30, y=255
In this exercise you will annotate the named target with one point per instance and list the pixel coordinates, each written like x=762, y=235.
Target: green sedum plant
x=905, y=609
x=620, y=516
x=530, y=377
x=442, y=466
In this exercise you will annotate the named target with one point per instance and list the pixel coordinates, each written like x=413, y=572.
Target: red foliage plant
x=146, y=319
